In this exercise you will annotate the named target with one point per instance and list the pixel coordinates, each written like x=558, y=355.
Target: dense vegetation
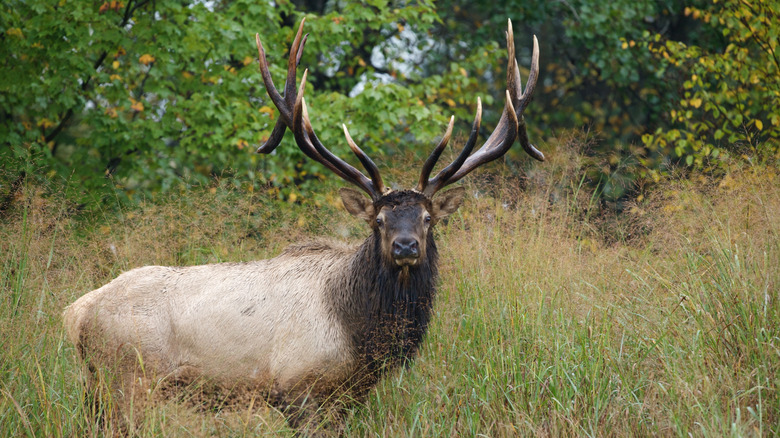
x=627, y=286
x=153, y=96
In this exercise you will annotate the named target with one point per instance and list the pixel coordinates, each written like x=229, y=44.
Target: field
x=554, y=317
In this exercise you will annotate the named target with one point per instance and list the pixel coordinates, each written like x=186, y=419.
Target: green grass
x=546, y=324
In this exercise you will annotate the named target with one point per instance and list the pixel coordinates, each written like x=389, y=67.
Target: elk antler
x=294, y=115
x=511, y=125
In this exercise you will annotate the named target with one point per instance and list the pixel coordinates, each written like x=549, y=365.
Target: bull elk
x=322, y=321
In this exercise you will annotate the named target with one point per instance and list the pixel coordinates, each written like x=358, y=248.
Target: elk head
x=404, y=218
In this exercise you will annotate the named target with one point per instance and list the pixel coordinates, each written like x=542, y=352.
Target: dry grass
x=550, y=321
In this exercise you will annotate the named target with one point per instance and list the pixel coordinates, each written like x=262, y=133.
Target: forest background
x=152, y=96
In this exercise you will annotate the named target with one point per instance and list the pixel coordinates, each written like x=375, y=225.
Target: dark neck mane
x=384, y=308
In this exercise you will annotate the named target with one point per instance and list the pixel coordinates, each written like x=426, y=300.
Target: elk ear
x=357, y=204
x=448, y=202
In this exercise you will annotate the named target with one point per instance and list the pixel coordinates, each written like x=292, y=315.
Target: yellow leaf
x=625, y=45
x=293, y=197
x=759, y=125
x=45, y=123
x=696, y=102
x=186, y=74
x=136, y=105
x=450, y=102
x=115, y=64
x=115, y=77
x=248, y=60
x=146, y=59
x=267, y=110
x=15, y=32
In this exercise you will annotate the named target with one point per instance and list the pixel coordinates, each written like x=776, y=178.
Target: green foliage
x=150, y=93
x=161, y=95
x=589, y=82
x=729, y=102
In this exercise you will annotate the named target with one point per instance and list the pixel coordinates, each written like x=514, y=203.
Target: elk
x=322, y=321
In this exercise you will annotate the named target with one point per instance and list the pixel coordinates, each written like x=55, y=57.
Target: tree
x=162, y=94
x=728, y=104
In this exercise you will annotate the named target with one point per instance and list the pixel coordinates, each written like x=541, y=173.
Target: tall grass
x=552, y=318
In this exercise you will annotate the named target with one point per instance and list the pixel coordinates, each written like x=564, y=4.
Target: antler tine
x=511, y=125
x=533, y=75
x=273, y=93
x=443, y=177
x=295, y=115
x=524, y=101
x=283, y=104
x=296, y=50
x=311, y=145
x=274, y=139
x=367, y=163
x=305, y=137
x=434, y=157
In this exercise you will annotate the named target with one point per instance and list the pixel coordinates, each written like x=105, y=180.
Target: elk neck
x=385, y=308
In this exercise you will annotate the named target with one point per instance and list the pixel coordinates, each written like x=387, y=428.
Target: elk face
x=403, y=220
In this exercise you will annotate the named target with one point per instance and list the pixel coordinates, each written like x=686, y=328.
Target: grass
x=546, y=323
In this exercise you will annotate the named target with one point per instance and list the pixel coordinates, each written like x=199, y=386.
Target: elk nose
x=405, y=247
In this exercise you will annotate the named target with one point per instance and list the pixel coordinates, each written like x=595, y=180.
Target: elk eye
x=427, y=218
x=379, y=221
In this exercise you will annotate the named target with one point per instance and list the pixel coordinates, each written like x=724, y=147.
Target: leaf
x=136, y=105
x=146, y=59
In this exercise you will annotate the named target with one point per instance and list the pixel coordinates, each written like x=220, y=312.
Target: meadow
x=554, y=316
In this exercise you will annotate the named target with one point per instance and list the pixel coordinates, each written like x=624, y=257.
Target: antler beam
x=510, y=126
x=293, y=114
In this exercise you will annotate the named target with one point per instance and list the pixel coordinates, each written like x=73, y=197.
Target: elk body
x=318, y=322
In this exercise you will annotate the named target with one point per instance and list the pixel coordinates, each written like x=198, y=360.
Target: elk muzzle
x=406, y=250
